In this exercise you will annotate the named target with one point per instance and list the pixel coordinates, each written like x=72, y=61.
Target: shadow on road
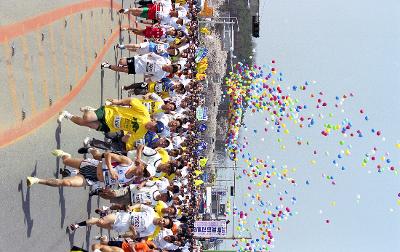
x=26, y=205
x=101, y=87
x=117, y=76
x=70, y=237
x=61, y=200
x=89, y=210
x=112, y=10
x=89, y=206
x=88, y=237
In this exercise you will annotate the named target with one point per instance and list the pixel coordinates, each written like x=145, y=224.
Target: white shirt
x=149, y=156
x=164, y=118
x=144, y=195
x=143, y=221
x=161, y=243
x=147, y=47
x=162, y=184
x=177, y=141
x=151, y=64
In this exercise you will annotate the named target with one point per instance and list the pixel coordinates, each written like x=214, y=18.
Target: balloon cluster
x=261, y=89
x=256, y=88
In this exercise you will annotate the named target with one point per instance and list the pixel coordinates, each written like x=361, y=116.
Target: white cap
x=184, y=172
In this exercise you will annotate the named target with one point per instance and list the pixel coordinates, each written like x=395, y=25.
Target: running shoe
x=65, y=173
x=123, y=11
x=105, y=65
x=94, y=192
x=87, y=108
x=120, y=46
x=102, y=213
x=63, y=114
x=87, y=141
x=60, y=153
x=102, y=238
x=73, y=227
x=31, y=181
x=83, y=150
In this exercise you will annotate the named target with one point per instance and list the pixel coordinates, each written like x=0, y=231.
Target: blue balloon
x=202, y=127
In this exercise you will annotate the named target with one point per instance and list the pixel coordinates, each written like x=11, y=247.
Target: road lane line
x=75, y=48
x=89, y=46
x=8, y=32
x=54, y=66
x=30, y=125
x=82, y=53
x=42, y=67
x=12, y=83
x=28, y=74
x=65, y=57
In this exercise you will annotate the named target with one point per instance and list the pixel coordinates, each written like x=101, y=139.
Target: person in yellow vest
x=164, y=88
x=156, y=105
x=128, y=115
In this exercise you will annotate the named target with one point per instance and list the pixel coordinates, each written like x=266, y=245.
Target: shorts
x=140, y=88
x=145, y=11
x=122, y=222
x=100, y=113
x=123, y=196
x=131, y=65
x=120, y=244
x=88, y=169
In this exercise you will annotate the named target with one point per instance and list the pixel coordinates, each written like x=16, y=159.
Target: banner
x=201, y=113
x=208, y=229
x=201, y=52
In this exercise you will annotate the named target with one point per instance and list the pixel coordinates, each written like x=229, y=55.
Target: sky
x=342, y=47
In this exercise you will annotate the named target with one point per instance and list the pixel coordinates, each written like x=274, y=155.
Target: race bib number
x=130, y=125
x=117, y=122
x=135, y=221
x=150, y=67
x=158, y=15
x=160, y=48
x=147, y=105
x=158, y=87
x=108, y=180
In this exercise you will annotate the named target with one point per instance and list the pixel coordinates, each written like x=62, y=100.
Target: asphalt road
x=39, y=69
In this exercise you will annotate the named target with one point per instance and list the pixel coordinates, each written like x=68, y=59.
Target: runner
x=129, y=115
x=111, y=170
x=137, y=224
x=154, y=66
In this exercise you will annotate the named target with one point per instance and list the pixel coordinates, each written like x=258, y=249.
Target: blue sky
x=344, y=46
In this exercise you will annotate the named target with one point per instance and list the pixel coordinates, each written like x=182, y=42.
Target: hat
x=160, y=127
x=184, y=172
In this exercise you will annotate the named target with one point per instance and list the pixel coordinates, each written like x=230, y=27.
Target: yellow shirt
x=164, y=155
x=153, y=107
x=159, y=206
x=130, y=119
x=152, y=89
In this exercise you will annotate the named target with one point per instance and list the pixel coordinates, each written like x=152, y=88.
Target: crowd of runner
x=147, y=164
